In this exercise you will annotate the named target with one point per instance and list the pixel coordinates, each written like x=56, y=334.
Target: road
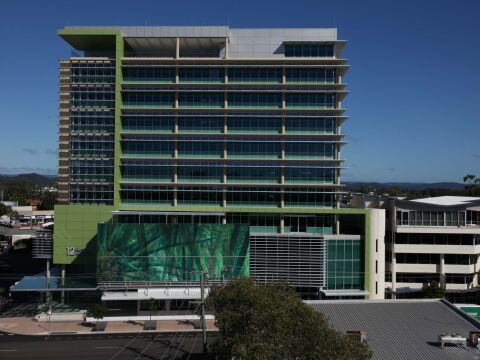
x=164, y=346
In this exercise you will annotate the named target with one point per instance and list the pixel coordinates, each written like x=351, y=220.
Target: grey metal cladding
x=246, y=43
x=243, y=43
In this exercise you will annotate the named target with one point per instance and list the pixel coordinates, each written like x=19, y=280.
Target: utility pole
x=202, y=314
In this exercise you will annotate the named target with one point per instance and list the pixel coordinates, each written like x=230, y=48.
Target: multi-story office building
x=431, y=239
x=188, y=149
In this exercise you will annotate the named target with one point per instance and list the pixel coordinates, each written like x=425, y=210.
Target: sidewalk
x=29, y=326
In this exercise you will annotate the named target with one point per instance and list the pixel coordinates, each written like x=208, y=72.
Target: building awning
x=350, y=292
x=54, y=283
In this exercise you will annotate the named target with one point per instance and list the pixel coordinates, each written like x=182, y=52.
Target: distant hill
x=352, y=185
x=33, y=178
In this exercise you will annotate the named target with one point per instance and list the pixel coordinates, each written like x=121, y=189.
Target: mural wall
x=171, y=252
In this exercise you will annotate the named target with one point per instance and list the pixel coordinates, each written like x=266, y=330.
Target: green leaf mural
x=172, y=252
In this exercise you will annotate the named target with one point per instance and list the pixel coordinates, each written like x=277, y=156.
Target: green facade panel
x=76, y=231
x=172, y=252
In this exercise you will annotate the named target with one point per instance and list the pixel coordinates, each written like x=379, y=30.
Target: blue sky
x=414, y=77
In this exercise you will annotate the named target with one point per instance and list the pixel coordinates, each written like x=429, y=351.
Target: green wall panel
x=172, y=252
x=75, y=232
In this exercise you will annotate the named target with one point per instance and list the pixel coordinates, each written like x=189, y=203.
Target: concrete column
x=177, y=76
x=475, y=271
x=284, y=79
x=376, y=266
x=442, y=270
x=224, y=219
x=337, y=225
x=394, y=272
x=177, y=48
x=282, y=200
x=226, y=48
x=168, y=304
x=282, y=224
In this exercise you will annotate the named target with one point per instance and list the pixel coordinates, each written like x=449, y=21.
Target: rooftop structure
x=449, y=200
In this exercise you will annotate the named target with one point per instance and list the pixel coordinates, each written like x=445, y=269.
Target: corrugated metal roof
x=402, y=329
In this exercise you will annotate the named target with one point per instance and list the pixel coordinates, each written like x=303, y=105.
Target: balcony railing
x=437, y=223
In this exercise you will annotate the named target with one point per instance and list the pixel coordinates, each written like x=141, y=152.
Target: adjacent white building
x=431, y=239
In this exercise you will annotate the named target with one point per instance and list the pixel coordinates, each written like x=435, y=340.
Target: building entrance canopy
x=44, y=284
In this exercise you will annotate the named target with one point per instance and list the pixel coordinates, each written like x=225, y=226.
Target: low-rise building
x=431, y=239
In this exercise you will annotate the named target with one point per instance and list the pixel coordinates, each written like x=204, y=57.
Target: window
x=148, y=99
x=253, y=100
x=201, y=75
x=254, y=75
x=344, y=264
x=201, y=99
x=407, y=258
x=458, y=278
x=310, y=100
x=310, y=76
x=309, y=50
x=148, y=123
x=310, y=125
x=309, y=150
x=148, y=74
x=417, y=277
x=254, y=125
x=200, y=124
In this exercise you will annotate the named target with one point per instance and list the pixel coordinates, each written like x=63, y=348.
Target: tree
x=152, y=307
x=99, y=311
x=271, y=322
x=472, y=186
x=48, y=200
x=434, y=291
